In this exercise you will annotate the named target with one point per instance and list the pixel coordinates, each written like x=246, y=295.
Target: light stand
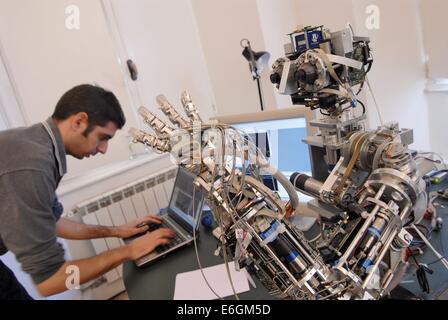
x=257, y=62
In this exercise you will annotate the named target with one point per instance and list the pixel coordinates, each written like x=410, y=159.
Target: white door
x=162, y=39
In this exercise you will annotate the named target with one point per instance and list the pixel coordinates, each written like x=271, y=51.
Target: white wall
x=10, y=103
x=3, y=122
x=161, y=37
x=47, y=59
x=398, y=74
x=332, y=14
x=222, y=25
x=436, y=47
x=277, y=19
x=438, y=115
x=434, y=26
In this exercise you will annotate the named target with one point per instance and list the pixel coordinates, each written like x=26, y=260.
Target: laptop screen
x=181, y=203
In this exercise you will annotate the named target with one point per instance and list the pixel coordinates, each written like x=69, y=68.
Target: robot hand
x=214, y=151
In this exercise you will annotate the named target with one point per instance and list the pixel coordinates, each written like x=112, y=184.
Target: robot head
x=321, y=68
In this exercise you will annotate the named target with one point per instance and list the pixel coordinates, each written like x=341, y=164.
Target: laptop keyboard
x=174, y=241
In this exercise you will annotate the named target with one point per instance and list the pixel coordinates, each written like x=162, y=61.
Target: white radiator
x=117, y=207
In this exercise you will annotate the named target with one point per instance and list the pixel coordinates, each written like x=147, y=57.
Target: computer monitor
x=261, y=140
x=283, y=130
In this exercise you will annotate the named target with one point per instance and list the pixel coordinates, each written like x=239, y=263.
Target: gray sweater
x=32, y=163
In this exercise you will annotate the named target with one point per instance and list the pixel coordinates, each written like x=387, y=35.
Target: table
x=157, y=281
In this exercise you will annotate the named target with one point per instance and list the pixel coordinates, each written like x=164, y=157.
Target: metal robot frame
x=368, y=192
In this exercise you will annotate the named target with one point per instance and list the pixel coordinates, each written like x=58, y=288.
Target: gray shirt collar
x=59, y=148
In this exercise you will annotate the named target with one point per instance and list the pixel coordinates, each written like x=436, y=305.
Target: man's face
x=96, y=141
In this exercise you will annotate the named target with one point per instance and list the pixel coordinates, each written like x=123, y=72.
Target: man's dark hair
x=100, y=105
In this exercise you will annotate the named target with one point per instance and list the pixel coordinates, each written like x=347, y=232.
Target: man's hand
x=93, y=267
x=131, y=229
x=147, y=243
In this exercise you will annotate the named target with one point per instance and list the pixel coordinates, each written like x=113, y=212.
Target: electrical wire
x=417, y=242
x=363, y=106
x=434, y=162
x=436, y=253
x=375, y=102
x=196, y=249
x=437, y=155
x=338, y=292
x=223, y=247
x=436, y=261
x=421, y=276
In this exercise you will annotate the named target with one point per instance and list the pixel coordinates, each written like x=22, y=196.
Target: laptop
x=178, y=216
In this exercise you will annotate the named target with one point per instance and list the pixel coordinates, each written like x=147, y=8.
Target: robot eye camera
x=320, y=67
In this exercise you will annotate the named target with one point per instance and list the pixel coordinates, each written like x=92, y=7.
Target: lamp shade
x=260, y=59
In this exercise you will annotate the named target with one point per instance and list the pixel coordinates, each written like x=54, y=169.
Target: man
x=32, y=163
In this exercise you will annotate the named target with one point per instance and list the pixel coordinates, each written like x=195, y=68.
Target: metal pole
x=260, y=94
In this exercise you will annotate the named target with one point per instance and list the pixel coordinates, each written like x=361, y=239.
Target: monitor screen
x=270, y=182
x=261, y=140
x=282, y=139
x=181, y=203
